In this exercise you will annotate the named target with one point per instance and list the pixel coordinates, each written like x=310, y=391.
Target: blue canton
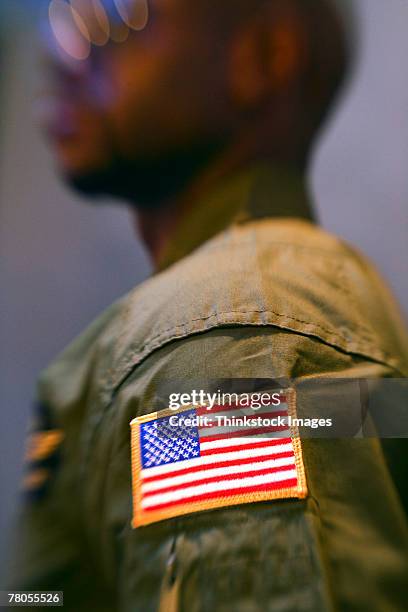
x=162, y=443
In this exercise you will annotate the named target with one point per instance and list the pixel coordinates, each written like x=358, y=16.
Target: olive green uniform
x=241, y=295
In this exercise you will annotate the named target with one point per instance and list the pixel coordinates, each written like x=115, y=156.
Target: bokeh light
x=79, y=24
x=69, y=29
x=95, y=18
x=135, y=13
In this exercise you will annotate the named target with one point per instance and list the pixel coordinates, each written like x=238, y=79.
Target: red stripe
x=196, y=483
x=280, y=413
x=225, y=407
x=284, y=484
x=264, y=443
x=245, y=432
x=219, y=464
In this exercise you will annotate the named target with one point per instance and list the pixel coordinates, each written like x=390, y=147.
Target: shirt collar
x=259, y=191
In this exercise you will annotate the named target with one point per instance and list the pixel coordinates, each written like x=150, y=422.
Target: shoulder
x=284, y=273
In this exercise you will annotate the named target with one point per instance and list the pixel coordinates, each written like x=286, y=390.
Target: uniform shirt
x=244, y=295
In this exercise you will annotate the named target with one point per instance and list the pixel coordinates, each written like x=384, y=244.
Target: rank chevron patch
x=196, y=458
x=43, y=454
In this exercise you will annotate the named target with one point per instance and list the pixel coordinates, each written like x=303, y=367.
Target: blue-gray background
x=62, y=261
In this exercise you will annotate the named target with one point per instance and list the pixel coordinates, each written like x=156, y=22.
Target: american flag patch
x=196, y=459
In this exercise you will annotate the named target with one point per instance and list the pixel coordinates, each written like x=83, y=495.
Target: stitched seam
x=131, y=363
x=173, y=329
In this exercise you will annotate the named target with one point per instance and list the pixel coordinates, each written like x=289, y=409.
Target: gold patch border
x=141, y=519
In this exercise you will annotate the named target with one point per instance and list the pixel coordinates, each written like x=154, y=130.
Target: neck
x=158, y=226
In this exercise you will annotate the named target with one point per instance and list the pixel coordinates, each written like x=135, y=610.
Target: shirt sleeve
x=49, y=548
x=306, y=554
x=49, y=551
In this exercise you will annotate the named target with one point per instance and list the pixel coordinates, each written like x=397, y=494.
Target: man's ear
x=268, y=54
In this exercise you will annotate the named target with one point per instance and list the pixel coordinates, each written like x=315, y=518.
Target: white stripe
x=239, y=427
x=225, y=442
x=156, y=485
x=171, y=496
x=244, y=454
x=246, y=411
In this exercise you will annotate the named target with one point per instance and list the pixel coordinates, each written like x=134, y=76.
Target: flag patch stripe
x=197, y=490
x=212, y=449
x=220, y=464
x=238, y=432
x=279, y=438
x=266, y=412
x=201, y=479
x=285, y=484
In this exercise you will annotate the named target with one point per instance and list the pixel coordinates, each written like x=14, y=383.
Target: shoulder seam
x=134, y=358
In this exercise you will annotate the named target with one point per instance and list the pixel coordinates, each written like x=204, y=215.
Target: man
x=204, y=121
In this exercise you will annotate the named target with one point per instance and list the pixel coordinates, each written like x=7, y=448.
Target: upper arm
x=226, y=557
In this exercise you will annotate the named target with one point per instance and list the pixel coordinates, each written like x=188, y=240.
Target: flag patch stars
x=162, y=443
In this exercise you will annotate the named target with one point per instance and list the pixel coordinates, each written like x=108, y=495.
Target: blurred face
x=138, y=118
